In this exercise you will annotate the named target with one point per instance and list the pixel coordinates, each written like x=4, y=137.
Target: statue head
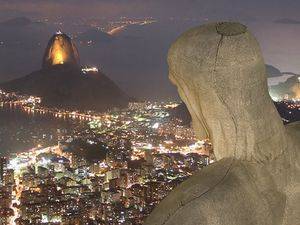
x=220, y=74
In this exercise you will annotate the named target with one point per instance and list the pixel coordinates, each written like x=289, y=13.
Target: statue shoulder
x=221, y=194
x=197, y=186
x=293, y=131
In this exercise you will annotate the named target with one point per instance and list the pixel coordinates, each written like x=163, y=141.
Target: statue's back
x=220, y=74
x=222, y=194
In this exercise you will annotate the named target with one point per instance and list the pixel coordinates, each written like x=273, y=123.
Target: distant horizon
x=170, y=94
x=129, y=40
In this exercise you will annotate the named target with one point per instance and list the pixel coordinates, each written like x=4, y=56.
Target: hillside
x=67, y=87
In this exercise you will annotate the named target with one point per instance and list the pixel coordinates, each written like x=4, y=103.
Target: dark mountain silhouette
x=272, y=71
x=290, y=73
x=290, y=87
x=95, y=36
x=16, y=22
x=91, y=152
x=67, y=87
x=182, y=113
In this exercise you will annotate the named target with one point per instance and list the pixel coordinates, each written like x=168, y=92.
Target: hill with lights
x=62, y=83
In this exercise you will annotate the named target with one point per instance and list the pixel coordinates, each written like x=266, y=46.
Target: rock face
x=60, y=50
x=220, y=74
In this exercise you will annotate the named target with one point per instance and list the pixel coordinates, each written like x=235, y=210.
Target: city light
x=86, y=70
x=142, y=143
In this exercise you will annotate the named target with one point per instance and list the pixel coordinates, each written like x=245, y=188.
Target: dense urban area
x=112, y=169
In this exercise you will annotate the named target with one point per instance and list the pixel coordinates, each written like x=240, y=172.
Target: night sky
x=136, y=57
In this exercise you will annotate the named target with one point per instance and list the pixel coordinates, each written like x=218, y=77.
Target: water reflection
x=21, y=128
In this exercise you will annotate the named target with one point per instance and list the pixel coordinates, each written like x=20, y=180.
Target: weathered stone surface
x=220, y=74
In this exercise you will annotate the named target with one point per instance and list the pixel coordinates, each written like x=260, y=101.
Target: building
x=3, y=169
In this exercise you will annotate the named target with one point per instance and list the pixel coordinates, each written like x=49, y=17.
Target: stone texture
x=220, y=74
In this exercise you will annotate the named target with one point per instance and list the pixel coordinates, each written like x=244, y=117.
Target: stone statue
x=220, y=74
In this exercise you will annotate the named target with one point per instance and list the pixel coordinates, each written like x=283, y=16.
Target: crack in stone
x=219, y=96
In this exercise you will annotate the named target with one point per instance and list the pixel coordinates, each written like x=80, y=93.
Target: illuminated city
x=145, y=154
x=149, y=112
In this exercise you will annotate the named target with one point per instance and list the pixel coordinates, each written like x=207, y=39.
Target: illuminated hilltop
x=60, y=50
x=62, y=83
